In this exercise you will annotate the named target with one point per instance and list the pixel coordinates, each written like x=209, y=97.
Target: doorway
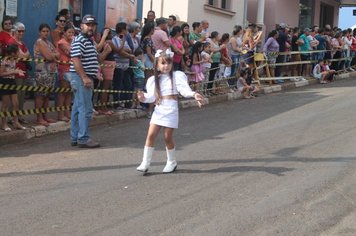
x=326, y=15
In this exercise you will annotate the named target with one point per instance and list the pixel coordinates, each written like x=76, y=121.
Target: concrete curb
x=60, y=126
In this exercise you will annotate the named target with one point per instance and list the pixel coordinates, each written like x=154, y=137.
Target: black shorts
x=7, y=81
x=304, y=57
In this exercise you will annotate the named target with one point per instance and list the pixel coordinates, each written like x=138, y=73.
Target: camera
x=121, y=36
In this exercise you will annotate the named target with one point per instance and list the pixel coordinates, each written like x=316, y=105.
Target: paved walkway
x=34, y=130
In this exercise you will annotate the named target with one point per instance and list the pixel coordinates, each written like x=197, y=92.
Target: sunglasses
x=21, y=31
x=62, y=21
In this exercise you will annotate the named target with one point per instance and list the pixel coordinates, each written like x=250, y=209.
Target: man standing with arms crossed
x=83, y=70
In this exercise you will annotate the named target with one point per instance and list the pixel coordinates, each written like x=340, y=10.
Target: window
x=326, y=15
x=211, y=2
x=306, y=13
x=223, y=4
x=220, y=6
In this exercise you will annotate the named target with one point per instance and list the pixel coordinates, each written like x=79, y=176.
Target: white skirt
x=166, y=114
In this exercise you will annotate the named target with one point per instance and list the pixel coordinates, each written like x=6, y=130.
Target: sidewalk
x=34, y=130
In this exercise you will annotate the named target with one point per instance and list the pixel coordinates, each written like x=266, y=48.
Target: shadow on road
x=212, y=122
x=278, y=171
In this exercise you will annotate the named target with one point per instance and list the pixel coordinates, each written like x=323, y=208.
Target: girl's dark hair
x=195, y=25
x=175, y=31
x=243, y=72
x=214, y=34
x=68, y=27
x=295, y=30
x=206, y=44
x=138, y=52
x=196, y=50
x=157, y=74
x=224, y=37
x=12, y=48
x=183, y=26
x=42, y=26
x=237, y=29
x=272, y=33
x=147, y=28
x=121, y=26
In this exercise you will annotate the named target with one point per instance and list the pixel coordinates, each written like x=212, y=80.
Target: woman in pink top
x=177, y=47
x=63, y=47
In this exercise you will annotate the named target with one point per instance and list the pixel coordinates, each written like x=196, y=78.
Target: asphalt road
x=280, y=164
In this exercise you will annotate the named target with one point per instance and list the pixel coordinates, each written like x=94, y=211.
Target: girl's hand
x=141, y=96
x=20, y=72
x=200, y=99
x=100, y=77
x=106, y=33
x=107, y=49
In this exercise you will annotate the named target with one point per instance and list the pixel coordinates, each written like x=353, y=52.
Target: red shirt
x=353, y=45
x=4, y=38
x=20, y=64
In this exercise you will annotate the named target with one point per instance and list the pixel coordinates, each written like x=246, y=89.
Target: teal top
x=194, y=36
x=217, y=55
x=306, y=45
x=139, y=70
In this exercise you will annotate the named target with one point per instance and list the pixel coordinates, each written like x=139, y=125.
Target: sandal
x=42, y=122
x=20, y=127
x=65, y=119
x=108, y=112
x=49, y=120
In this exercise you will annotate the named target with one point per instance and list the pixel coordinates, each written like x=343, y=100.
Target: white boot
x=146, y=160
x=171, y=161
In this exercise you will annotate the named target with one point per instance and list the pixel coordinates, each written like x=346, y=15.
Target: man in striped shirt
x=83, y=70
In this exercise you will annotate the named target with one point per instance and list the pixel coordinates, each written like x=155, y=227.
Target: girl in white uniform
x=163, y=89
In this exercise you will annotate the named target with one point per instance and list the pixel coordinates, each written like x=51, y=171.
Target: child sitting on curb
x=319, y=74
x=248, y=91
x=326, y=67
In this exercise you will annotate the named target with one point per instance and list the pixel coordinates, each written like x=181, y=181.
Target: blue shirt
x=322, y=42
x=282, y=39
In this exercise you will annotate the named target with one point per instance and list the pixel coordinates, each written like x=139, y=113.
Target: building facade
x=301, y=13
x=34, y=12
x=222, y=15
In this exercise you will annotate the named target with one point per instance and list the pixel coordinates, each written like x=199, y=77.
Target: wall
x=32, y=14
x=169, y=8
x=193, y=10
x=96, y=8
x=217, y=21
x=276, y=11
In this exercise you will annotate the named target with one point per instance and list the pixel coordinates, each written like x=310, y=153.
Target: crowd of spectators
x=211, y=59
